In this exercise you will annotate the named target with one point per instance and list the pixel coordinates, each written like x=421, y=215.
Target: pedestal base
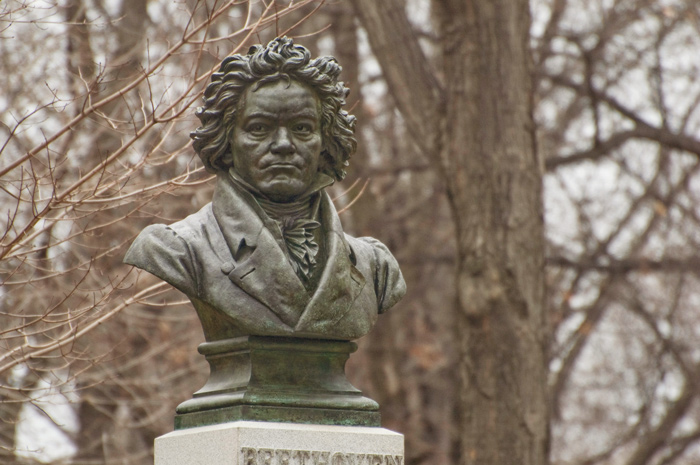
x=264, y=443
x=315, y=415
x=279, y=380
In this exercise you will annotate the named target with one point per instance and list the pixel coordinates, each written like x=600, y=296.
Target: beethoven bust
x=268, y=255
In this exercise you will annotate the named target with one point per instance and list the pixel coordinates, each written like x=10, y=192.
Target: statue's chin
x=283, y=190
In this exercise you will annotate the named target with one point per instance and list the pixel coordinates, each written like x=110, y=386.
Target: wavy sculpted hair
x=281, y=59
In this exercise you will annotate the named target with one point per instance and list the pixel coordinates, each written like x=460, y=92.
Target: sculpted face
x=277, y=139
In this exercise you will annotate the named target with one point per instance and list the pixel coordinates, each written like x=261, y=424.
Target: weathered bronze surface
x=277, y=284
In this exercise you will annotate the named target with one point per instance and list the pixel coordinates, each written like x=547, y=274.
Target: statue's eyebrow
x=260, y=114
x=305, y=113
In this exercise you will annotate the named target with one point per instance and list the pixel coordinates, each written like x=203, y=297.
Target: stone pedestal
x=277, y=379
x=264, y=443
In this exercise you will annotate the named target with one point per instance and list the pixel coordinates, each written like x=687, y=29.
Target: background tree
x=619, y=130
x=475, y=126
x=94, y=130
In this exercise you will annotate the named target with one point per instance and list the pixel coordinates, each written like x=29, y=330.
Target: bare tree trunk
x=494, y=184
x=487, y=158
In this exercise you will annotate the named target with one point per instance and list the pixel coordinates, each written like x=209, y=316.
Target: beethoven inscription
x=255, y=456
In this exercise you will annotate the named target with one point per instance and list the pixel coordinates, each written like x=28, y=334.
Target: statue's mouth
x=283, y=165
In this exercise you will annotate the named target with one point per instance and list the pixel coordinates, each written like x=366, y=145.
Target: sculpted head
x=275, y=116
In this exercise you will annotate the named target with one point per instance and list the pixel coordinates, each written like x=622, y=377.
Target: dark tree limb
x=411, y=81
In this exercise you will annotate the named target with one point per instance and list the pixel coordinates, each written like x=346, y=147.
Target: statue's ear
x=227, y=157
x=325, y=163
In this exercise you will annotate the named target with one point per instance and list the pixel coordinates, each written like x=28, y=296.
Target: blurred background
x=97, y=101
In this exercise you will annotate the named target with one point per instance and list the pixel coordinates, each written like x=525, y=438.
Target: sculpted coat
x=228, y=259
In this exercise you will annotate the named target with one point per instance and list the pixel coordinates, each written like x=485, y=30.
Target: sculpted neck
x=304, y=206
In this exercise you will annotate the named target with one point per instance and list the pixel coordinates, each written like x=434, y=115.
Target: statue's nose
x=282, y=143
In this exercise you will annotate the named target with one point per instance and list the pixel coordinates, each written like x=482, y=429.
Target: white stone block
x=264, y=443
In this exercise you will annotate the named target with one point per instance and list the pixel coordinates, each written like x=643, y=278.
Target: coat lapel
x=258, y=265
x=340, y=282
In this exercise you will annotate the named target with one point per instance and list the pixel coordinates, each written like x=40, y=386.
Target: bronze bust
x=268, y=256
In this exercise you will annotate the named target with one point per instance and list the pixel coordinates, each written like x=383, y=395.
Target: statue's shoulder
x=194, y=227
x=368, y=248
x=374, y=259
x=185, y=232
x=167, y=251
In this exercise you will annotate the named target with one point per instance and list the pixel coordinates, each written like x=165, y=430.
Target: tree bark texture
x=485, y=151
x=494, y=184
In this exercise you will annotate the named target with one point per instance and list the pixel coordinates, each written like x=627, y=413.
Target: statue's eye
x=257, y=128
x=302, y=128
